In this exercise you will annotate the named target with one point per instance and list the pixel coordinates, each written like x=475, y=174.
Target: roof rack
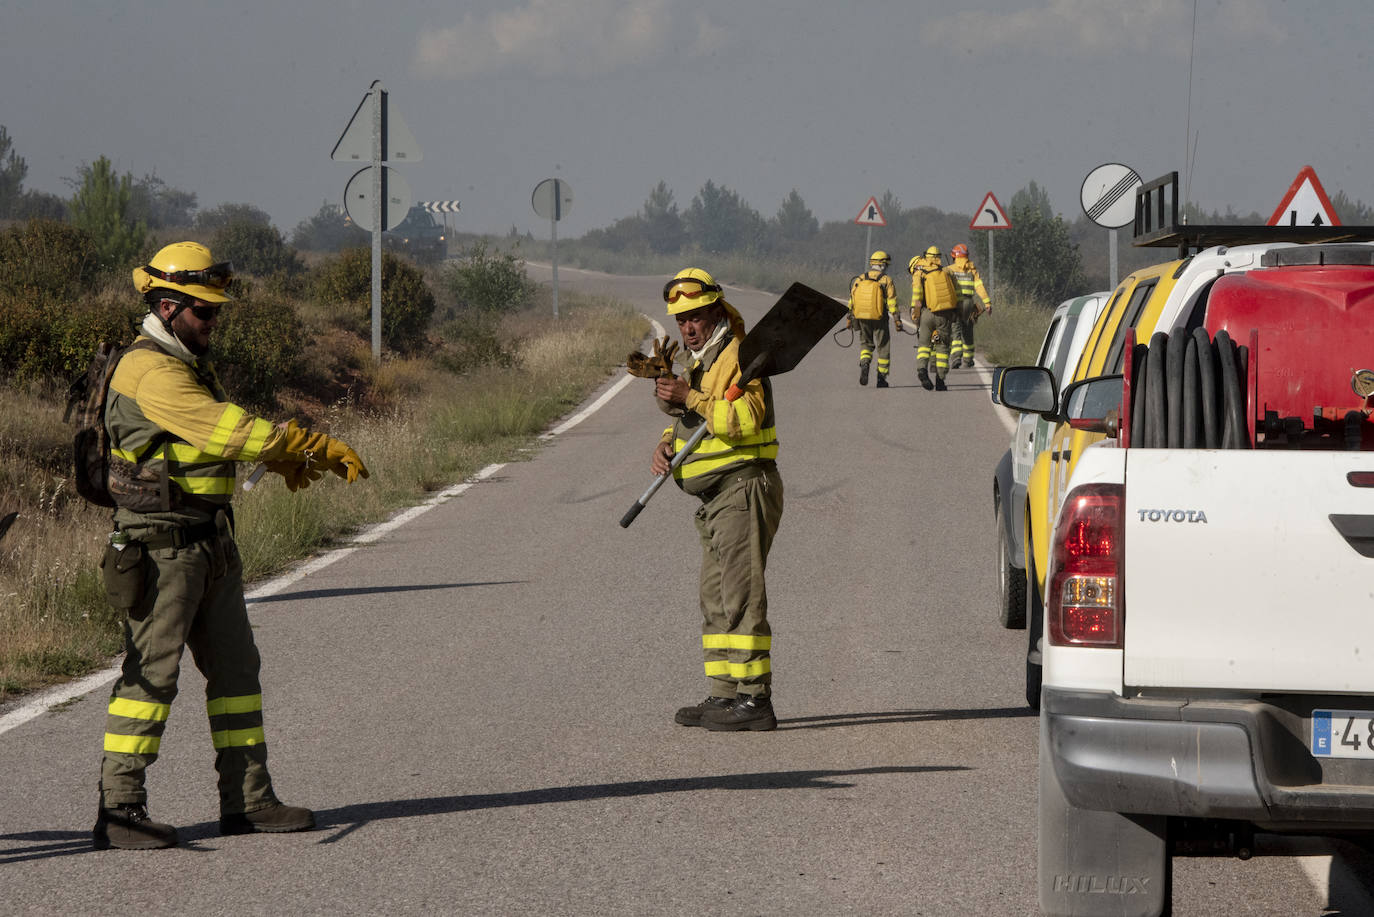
x=1158, y=200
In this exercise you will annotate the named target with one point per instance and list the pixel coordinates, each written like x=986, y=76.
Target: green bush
x=41, y=339
x=472, y=340
x=257, y=349
x=46, y=258
x=255, y=249
x=407, y=302
x=494, y=282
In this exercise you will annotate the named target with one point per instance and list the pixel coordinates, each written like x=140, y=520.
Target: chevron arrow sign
x=440, y=206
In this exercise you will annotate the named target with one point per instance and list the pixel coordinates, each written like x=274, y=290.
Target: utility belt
x=743, y=473
x=185, y=535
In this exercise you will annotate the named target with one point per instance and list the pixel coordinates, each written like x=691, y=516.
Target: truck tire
x=1011, y=580
x=1035, y=629
x=1098, y=863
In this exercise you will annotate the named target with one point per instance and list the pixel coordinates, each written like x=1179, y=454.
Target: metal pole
x=992, y=265
x=1111, y=257
x=378, y=215
x=868, y=244
x=553, y=236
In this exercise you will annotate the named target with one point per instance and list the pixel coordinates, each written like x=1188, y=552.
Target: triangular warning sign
x=1305, y=204
x=871, y=215
x=989, y=215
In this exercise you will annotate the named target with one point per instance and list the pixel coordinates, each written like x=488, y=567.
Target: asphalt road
x=478, y=702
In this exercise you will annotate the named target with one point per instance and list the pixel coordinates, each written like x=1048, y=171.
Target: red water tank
x=1313, y=309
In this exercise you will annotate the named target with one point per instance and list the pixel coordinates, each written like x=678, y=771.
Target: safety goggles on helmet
x=217, y=276
x=690, y=287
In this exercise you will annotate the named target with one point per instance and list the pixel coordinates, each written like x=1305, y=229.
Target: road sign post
x=379, y=136
x=1108, y=198
x=990, y=216
x=552, y=198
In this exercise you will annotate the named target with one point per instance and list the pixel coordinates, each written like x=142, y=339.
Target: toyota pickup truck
x=1208, y=614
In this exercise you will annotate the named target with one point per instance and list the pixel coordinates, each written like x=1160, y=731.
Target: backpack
x=867, y=295
x=938, y=287
x=91, y=444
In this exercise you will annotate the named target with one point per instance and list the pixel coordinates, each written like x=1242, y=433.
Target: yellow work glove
x=898, y=320
x=297, y=475
x=849, y=322
x=653, y=367
x=316, y=449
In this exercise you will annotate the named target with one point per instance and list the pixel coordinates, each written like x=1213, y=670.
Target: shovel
x=775, y=345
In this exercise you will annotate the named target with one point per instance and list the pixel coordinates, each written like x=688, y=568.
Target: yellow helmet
x=691, y=288
x=186, y=267
x=911, y=265
x=879, y=257
x=933, y=251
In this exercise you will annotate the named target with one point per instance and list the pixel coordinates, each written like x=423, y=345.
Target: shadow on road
x=902, y=716
x=307, y=594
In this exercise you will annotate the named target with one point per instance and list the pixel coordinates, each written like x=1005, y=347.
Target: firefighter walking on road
x=869, y=294
x=970, y=285
x=933, y=303
x=734, y=474
x=172, y=566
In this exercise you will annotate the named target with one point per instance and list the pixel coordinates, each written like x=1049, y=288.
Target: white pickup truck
x=1208, y=651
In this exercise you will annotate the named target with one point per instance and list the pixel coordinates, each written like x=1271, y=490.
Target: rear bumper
x=1228, y=759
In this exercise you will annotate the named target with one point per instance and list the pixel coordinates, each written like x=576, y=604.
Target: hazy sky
x=938, y=102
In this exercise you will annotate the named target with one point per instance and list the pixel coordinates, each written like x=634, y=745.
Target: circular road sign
x=552, y=198
x=358, y=198
x=1108, y=195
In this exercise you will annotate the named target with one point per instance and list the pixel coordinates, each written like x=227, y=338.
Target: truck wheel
x=1099, y=862
x=1035, y=629
x=1011, y=580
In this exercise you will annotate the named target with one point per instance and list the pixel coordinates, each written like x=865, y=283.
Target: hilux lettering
x=1172, y=515
x=1102, y=885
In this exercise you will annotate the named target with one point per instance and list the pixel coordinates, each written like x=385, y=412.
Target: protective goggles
x=216, y=275
x=690, y=287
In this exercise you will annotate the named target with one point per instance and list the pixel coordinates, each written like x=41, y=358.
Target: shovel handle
x=678, y=458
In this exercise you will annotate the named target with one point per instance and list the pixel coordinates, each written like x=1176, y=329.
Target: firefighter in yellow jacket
x=933, y=302
x=734, y=475
x=172, y=565
x=868, y=294
x=970, y=285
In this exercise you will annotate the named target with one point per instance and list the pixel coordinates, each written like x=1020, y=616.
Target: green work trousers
x=875, y=339
x=933, y=340
x=736, y=527
x=963, y=330
x=193, y=598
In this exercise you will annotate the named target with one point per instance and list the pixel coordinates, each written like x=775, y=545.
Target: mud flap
x=1098, y=863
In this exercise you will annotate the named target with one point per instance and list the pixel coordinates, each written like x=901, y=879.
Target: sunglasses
x=689, y=287
x=216, y=275
x=203, y=312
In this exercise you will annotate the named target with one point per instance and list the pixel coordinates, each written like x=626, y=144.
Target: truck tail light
x=1085, y=594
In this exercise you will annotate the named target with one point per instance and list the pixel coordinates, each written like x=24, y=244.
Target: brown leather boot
x=128, y=827
x=276, y=818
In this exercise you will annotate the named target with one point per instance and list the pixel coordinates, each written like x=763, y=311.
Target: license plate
x=1343, y=733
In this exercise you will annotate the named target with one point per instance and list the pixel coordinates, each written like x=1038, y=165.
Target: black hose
x=1173, y=378
x=1207, y=378
x=1139, y=382
x=1234, y=435
x=1192, y=408
x=1156, y=392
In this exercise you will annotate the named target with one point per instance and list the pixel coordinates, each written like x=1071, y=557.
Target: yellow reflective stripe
x=132, y=745
x=139, y=709
x=257, y=435
x=744, y=420
x=243, y=703
x=738, y=669
x=206, y=486
x=696, y=466
x=228, y=421
x=125, y=454
x=238, y=738
x=736, y=642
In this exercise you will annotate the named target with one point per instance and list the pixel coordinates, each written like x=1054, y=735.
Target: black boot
x=940, y=384
x=925, y=380
x=752, y=714
x=128, y=827
x=692, y=716
x=882, y=380
x=863, y=373
x=276, y=818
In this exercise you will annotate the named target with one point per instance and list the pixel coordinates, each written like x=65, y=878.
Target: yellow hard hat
x=911, y=265
x=691, y=288
x=186, y=267
x=933, y=251
x=879, y=257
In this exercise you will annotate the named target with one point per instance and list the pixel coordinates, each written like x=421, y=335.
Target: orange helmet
x=959, y=251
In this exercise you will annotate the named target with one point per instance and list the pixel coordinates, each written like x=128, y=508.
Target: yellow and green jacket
x=967, y=280
x=164, y=412
x=741, y=431
x=867, y=304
